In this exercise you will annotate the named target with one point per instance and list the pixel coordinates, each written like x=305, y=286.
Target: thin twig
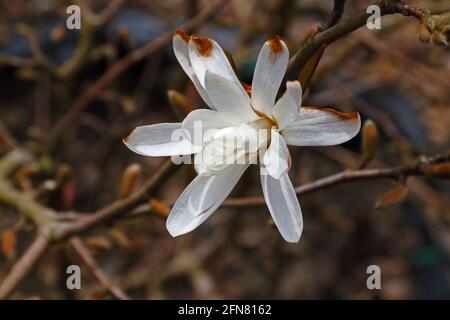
x=336, y=13
x=417, y=168
x=121, y=65
x=342, y=28
x=119, y=207
x=23, y=266
x=96, y=270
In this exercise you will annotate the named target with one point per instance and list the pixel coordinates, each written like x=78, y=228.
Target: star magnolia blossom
x=235, y=114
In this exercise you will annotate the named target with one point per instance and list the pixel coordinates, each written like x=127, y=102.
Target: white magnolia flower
x=235, y=114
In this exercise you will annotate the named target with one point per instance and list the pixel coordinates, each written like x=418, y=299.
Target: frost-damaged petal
x=269, y=72
x=162, y=139
x=180, y=47
x=283, y=205
x=322, y=127
x=287, y=107
x=229, y=97
x=198, y=122
x=201, y=198
x=206, y=54
x=277, y=158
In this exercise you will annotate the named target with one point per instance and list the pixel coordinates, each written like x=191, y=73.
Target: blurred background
x=389, y=76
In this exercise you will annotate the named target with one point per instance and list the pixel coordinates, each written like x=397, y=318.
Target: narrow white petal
x=228, y=98
x=277, y=158
x=269, y=72
x=287, y=107
x=162, y=139
x=201, y=198
x=283, y=205
x=180, y=48
x=322, y=127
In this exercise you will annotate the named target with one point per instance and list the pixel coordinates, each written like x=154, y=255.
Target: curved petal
x=228, y=98
x=162, y=139
x=201, y=198
x=206, y=54
x=277, y=159
x=287, y=107
x=283, y=205
x=322, y=127
x=180, y=48
x=269, y=72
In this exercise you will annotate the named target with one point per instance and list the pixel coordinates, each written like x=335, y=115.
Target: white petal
x=231, y=145
x=322, y=127
x=228, y=97
x=201, y=198
x=206, y=54
x=269, y=72
x=162, y=139
x=287, y=107
x=283, y=205
x=277, y=158
x=180, y=48
x=198, y=122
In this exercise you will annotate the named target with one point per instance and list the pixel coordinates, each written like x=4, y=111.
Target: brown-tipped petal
x=269, y=72
x=180, y=48
x=206, y=55
x=322, y=127
x=183, y=35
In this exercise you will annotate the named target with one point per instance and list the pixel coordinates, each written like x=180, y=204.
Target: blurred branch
x=39, y=56
x=91, y=25
x=121, y=65
x=6, y=137
x=58, y=228
x=336, y=13
x=17, y=62
x=119, y=207
x=23, y=266
x=31, y=209
x=420, y=167
x=342, y=28
x=95, y=269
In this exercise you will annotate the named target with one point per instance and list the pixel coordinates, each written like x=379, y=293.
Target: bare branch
x=121, y=65
x=341, y=29
x=119, y=207
x=417, y=168
x=96, y=270
x=336, y=13
x=24, y=265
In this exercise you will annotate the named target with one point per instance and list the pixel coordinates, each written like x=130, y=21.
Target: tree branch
x=96, y=270
x=117, y=208
x=336, y=13
x=121, y=65
x=418, y=168
x=343, y=27
x=23, y=266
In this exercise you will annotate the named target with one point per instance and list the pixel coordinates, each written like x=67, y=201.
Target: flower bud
x=392, y=197
x=439, y=171
x=159, y=207
x=179, y=103
x=369, y=141
x=129, y=178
